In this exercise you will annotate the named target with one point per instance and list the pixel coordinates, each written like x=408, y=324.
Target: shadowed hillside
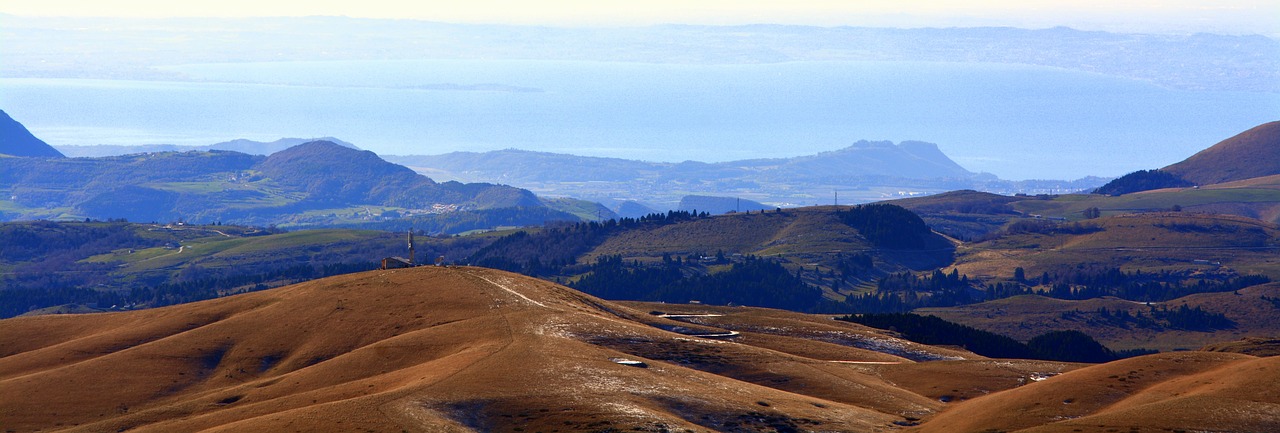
x=16, y=140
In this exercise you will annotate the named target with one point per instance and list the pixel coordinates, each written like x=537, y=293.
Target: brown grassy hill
x=1148, y=241
x=471, y=349
x=1250, y=154
x=808, y=236
x=1024, y=317
x=1189, y=391
x=438, y=349
x=1256, y=346
x=964, y=214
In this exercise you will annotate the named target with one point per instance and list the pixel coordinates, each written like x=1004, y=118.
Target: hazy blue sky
x=1229, y=16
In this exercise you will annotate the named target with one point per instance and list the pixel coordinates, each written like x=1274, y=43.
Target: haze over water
x=1014, y=121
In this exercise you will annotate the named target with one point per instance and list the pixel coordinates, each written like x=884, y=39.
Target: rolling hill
x=1250, y=154
x=470, y=349
x=1149, y=242
x=1024, y=317
x=1123, y=279
x=812, y=258
x=1247, y=155
x=1193, y=391
x=16, y=140
x=97, y=266
x=971, y=215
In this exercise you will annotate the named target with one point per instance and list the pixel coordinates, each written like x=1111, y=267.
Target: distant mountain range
x=238, y=145
x=16, y=140
x=862, y=172
x=315, y=183
x=865, y=171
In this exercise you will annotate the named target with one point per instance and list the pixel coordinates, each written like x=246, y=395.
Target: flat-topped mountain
x=908, y=159
x=16, y=140
x=864, y=171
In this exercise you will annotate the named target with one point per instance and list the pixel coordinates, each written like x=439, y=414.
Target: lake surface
x=1015, y=121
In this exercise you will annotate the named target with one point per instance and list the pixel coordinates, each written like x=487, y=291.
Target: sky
x=1165, y=16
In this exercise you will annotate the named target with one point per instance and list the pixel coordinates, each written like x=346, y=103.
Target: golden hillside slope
x=425, y=349
x=471, y=349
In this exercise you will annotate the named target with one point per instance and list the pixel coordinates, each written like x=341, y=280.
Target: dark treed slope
x=1142, y=180
x=1069, y=346
x=16, y=140
x=1250, y=154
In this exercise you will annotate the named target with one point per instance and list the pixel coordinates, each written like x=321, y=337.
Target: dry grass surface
x=1024, y=317
x=1256, y=346
x=1249, y=154
x=1146, y=242
x=1191, y=391
x=470, y=349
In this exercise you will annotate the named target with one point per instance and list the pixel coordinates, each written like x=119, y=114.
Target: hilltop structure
x=401, y=262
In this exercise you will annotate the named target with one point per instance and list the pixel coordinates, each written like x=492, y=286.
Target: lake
x=1014, y=121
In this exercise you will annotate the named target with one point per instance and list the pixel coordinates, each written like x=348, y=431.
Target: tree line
x=1068, y=346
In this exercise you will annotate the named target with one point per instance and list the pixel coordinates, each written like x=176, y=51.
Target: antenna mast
x=411, y=262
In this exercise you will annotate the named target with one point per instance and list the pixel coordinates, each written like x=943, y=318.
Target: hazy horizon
x=1178, y=16
x=1018, y=104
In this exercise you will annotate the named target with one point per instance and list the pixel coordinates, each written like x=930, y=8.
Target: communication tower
x=411, y=262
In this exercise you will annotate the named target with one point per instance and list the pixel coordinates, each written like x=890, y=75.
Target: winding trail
x=508, y=289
